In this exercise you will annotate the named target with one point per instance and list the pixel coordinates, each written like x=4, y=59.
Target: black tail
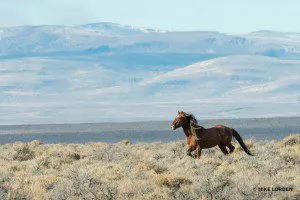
x=240, y=140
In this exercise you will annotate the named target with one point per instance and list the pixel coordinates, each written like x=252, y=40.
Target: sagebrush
x=147, y=171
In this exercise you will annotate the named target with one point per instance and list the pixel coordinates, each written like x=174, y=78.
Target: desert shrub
x=138, y=189
x=125, y=142
x=290, y=154
x=23, y=153
x=4, y=177
x=215, y=184
x=6, y=191
x=291, y=140
x=35, y=143
x=171, y=181
x=74, y=156
x=56, y=158
x=178, y=187
x=79, y=184
x=289, y=149
x=248, y=143
x=109, y=153
x=14, y=195
x=146, y=171
x=178, y=150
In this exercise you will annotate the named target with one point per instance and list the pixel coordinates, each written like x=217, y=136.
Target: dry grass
x=147, y=171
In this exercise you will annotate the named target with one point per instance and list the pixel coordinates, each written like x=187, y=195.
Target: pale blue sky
x=229, y=16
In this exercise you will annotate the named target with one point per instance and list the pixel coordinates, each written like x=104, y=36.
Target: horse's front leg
x=198, y=151
x=189, y=151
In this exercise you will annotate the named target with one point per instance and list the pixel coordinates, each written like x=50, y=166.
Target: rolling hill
x=109, y=72
x=225, y=87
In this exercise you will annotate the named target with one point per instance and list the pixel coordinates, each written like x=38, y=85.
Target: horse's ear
x=178, y=112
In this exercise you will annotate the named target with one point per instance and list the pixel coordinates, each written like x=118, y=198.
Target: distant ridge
x=64, y=74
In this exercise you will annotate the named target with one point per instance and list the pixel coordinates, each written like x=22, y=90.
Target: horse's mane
x=193, y=120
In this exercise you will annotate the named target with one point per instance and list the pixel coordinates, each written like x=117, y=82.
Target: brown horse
x=198, y=138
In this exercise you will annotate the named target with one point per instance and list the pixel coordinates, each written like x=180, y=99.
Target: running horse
x=198, y=137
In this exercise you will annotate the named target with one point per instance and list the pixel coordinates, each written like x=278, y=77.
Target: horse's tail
x=240, y=140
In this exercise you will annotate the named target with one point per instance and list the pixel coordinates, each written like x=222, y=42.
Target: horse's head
x=180, y=120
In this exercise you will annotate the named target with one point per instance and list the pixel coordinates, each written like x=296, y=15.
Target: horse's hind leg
x=223, y=149
x=231, y=147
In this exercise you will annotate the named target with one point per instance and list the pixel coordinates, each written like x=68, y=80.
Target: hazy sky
x=229, y=16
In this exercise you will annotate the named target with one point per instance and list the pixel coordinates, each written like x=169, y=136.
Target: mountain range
x=109, y=72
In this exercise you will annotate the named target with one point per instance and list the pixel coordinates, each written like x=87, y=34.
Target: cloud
x=109, y=90
x=20, y=93
x=80, y=73
x=13, y=79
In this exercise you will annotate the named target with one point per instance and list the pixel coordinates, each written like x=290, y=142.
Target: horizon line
x=145, y=121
